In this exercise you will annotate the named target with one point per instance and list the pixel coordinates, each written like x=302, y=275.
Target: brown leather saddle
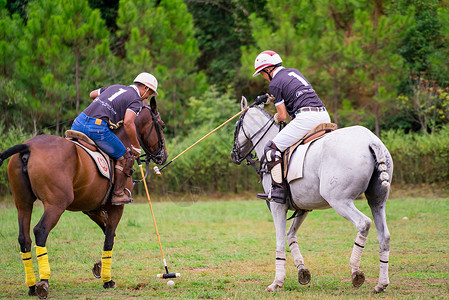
x=313, y=135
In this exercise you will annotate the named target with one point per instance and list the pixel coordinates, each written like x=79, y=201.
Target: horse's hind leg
x=303, y=273
x=48, y=221
x=347, y=210
x=24, y=199
x=377, y=204
x=24, y=217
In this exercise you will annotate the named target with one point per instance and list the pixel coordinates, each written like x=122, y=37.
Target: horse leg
x=24, y=216
x=48, y=221
x=303, y=273
x=347, y=210
x=383, y=238
x=279, y=213
x=114, y=216
x=24, y=199
x=100, y=219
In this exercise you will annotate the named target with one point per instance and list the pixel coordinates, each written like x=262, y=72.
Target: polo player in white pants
x=294, y=96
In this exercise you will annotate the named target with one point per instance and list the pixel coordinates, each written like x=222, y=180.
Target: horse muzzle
x=235, y=158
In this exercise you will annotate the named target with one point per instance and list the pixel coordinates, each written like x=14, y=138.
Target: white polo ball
x=170, y=283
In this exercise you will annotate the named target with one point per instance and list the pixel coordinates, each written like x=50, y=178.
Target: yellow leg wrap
x=106, y=260
x=42, y=259
x=30, y=278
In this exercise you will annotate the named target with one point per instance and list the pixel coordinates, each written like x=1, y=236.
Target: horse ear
x=243, y=103
x=153, y=104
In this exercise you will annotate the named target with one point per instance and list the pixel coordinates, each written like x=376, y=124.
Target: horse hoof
x=42, y=289
x=96, y=270
x=272, y=288
x=379, y=289
x=32, y=291
x=304, y=276
x=358, y=278
x=109, y=285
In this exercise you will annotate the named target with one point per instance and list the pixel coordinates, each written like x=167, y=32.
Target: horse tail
x=382, y=163
x=13, y=150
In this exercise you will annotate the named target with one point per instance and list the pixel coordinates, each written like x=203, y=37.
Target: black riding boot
x=278, y=193
x=122, y=172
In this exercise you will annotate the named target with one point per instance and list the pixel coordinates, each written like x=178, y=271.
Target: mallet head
x=169, y=275
x=157, y=171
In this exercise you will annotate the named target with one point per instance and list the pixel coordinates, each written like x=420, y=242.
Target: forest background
x=382, y=64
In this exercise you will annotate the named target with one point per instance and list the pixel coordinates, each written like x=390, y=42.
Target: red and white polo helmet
x=266, y=59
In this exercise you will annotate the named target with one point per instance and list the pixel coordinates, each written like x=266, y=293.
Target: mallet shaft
x=194, y=144
x=151, y=207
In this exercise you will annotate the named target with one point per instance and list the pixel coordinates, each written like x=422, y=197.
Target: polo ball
x=170, y=283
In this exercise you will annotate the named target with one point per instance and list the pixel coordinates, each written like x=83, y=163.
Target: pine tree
x=11, y=98
x=64, y=54
x=371, y=54
x=160, y=39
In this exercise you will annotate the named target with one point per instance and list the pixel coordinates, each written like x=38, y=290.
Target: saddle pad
x=296, y=166
x=101, y=160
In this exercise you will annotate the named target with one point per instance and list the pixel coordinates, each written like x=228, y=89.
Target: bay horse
x=64, y=177
x=337, y=168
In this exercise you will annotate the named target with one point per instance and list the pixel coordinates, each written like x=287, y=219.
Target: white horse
x=337, y=168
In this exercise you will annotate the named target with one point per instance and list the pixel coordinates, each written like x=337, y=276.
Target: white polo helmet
x=148, y=80
x=266, y=59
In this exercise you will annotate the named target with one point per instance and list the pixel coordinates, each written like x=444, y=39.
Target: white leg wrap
x=280, y=271
x=357, y=251
x=383, y=269
x=294, y=249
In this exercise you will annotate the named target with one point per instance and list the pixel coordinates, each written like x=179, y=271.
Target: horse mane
x=267, y=114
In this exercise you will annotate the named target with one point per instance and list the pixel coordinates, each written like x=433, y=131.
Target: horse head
x=150, y=127
x=250, y=130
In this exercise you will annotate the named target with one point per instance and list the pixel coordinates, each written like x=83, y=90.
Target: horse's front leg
x=303, y=273
x=279, y=213
x=114, y=216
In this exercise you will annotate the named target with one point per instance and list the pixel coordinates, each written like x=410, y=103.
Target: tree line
x=378, y=63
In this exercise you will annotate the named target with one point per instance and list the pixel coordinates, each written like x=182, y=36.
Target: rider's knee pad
x=274, y=161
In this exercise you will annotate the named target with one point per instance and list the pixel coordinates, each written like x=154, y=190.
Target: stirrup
x=120, y=199
x=271, y=199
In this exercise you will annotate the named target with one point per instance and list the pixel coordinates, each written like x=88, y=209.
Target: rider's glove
x=261, y=99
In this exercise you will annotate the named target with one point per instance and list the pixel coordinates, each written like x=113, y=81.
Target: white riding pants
x=299, y=127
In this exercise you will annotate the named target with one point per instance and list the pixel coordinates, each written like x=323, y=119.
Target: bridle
x=156, y=156
x=238, y=149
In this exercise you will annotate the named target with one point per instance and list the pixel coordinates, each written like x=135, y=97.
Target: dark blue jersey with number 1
x=112, y=104
x=291, y=87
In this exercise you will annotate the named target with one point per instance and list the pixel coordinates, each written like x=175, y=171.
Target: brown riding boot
x=122, y=172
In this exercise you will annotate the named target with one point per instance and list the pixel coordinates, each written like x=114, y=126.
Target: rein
x=251, y=159
x=157, y=155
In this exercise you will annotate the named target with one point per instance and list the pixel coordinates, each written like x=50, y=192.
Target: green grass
x=226, y=250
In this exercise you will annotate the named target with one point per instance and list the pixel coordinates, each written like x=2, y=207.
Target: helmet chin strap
x=269, y=73
x=141, y=96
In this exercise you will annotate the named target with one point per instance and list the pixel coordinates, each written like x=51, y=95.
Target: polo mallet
x=158, y=171
x=166, y=274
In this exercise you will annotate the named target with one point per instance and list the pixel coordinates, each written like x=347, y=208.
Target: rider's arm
x=281, y=114
x=94, y=94
x=130, y=129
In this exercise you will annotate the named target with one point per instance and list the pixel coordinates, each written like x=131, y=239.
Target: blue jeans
x=100, y=134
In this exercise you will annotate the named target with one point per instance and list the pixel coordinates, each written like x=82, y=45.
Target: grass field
x=226, y=250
